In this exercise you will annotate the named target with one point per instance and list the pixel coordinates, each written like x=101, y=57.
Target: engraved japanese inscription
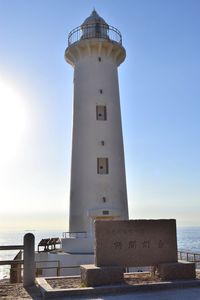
x=135, y=243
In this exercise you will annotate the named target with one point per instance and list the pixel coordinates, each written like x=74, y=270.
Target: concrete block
x=178, y=270
x=135, y=243
x=95, y=276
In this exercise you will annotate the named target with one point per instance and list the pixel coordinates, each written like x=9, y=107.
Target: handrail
x=12, y=247
x=182, y=251
x=15, y=264
x=55, y=261
x=27, y=262
x=74, y=234
x=45, y=261
x=187, y=255
x=100, y=31
x=58, y=267
x=10, y=262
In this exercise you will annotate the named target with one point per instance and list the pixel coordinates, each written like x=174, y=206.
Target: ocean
x=16, y=238
x=188, y=240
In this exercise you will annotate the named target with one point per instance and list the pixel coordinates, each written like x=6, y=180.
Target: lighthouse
x=98, y=181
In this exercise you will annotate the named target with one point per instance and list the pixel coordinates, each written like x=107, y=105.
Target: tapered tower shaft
x=98, y=181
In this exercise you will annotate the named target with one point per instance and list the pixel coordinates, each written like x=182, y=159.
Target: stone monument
x=135, y=243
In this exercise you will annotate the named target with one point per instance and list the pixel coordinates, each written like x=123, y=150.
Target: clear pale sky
x=160, y=104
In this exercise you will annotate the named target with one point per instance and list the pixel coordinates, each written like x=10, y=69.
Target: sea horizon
x=188, y=239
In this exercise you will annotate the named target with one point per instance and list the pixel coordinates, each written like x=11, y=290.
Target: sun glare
x=12, y=121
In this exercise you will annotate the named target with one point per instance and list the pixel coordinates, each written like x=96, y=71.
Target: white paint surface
x=94, y=195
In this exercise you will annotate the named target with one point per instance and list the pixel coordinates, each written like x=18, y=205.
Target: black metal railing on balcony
x=75, y=234
x=97, y=30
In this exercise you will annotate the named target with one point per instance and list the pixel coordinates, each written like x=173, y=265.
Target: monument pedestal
x=177, y=270
x=94, y=276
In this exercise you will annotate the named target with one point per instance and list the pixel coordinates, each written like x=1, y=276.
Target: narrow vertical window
x=102, y=165
x=101, y=112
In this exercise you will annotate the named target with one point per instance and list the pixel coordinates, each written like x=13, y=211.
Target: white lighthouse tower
x=98, y=181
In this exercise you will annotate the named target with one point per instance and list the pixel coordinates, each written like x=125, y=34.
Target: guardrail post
x=29, y=260
x=15, y=270
x=58, y=268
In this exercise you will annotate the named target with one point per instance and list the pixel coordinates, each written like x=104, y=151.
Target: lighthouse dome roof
x=94, y=18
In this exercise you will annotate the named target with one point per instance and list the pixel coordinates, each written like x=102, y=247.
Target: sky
x=160, y=104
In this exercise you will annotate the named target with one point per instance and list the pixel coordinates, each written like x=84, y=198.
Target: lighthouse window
x=97, y=30
x=99, y=58
x=102, y=165
x=101, y=113
x=101, y=91
x=104, y=199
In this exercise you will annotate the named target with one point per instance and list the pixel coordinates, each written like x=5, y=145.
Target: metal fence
x=15, y=264
x=75, y=234
x=27, y=261
x=189, y=256
x=57, y=267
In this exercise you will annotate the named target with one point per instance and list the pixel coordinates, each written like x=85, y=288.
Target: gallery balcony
x=95, y=31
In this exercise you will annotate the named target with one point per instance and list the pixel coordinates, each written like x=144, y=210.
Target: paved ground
x=174, y=294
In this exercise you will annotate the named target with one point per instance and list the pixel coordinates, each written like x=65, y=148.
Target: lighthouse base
x=78, y=245
x=66, y=260
x=51, y=264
